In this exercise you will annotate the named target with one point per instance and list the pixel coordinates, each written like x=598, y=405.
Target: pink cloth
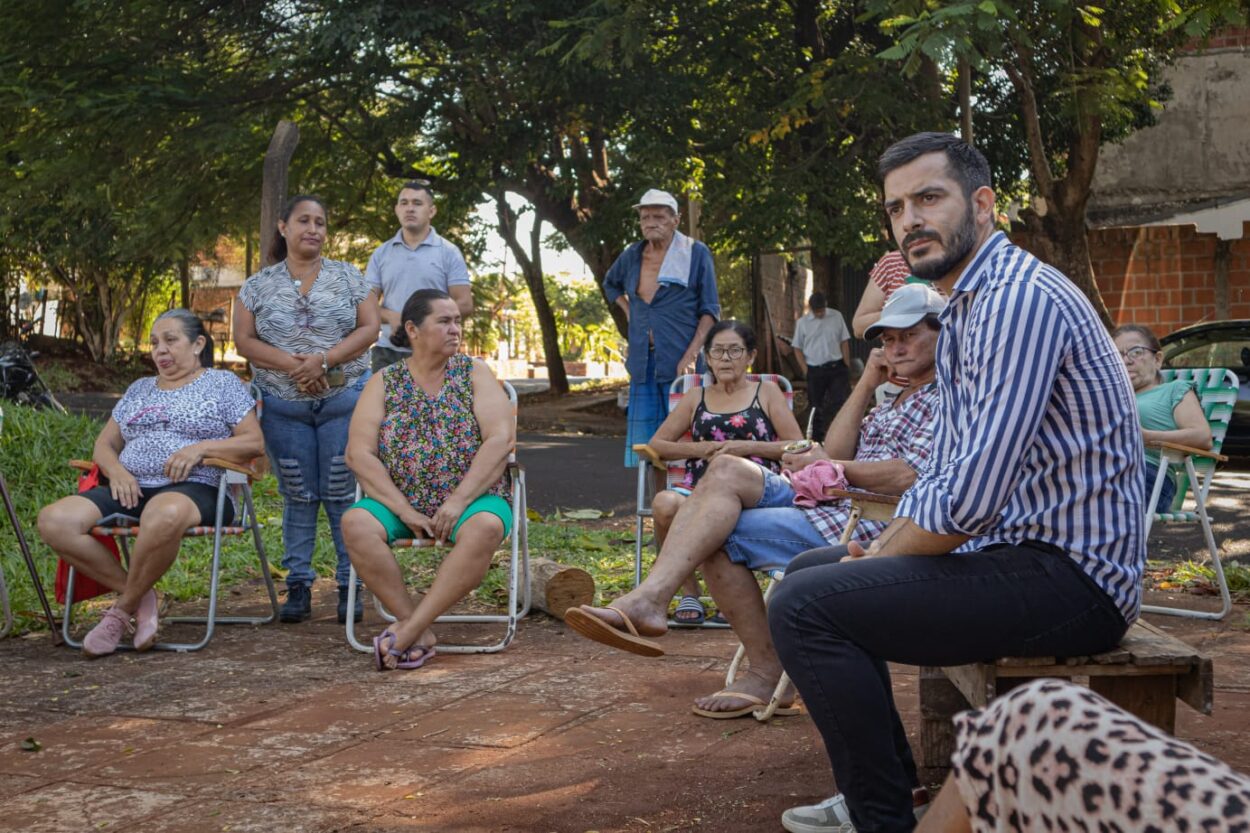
x=809, y=483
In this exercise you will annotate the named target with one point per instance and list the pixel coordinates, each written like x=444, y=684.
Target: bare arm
x=462, y=294
x=244, y=443
x=1192, y=428
x=358, y=340
x=846, y=352
x=904, y=537
x=869, y=309
x=122, y=484
x=623, y=303
x=666, y=440
x=363, y=460
x=687, y=363
x=888, y=477
x=389, y=317
x=251, y=347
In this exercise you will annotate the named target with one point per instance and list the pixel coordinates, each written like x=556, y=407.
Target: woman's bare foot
x=425, y=642
x=758, y=688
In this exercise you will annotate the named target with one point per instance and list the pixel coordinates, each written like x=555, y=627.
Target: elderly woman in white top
x=151, y=451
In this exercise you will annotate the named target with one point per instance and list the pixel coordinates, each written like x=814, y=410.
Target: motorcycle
x=20, y=381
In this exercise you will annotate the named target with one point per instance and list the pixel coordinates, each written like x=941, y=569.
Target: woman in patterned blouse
x=151, y=461
x=429, y=444
x=305, y=324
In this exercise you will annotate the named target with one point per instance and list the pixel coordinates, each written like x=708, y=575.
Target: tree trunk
x=554, y=587
x=273, y=187
x=532, y=270
x=1060, y=240
x=184, y=282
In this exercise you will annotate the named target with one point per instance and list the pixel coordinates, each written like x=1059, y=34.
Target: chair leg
x=211, y=619
x=1221, y=581
x=518, y=589
x=4, y=603
x=763, y=715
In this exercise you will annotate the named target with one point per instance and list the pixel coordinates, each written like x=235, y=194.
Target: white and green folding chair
x=518, y=572
x=1217, y=392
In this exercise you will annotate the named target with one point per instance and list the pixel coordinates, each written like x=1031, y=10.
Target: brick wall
x=1164, y=276
x=1231, y=38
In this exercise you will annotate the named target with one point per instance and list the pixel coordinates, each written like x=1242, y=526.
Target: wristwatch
x=797, y=446
x=325, y=362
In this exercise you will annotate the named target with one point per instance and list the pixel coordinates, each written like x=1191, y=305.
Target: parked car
x=1218, y=344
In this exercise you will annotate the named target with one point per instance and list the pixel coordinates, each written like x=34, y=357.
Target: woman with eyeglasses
x=1168, y=411
x=305, y=324
x=730, y=416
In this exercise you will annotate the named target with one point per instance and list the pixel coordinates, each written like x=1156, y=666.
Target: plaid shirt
x=887, y=433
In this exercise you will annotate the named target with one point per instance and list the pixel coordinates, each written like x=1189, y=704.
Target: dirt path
x=284, y=727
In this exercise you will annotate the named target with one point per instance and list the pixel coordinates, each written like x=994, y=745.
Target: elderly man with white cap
x=743, y=517
x=666, y=284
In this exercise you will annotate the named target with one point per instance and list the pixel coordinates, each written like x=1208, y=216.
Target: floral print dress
x=427, y=443
x=751, y=423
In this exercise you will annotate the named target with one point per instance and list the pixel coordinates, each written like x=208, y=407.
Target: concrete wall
x=1199, y=151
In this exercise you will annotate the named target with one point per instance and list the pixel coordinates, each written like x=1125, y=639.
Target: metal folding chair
x=675, y=470
x=518, y=572
x=870, y=506
x=236, y=477
x=1217, y=392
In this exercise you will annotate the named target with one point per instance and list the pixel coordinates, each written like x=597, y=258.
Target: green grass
x=35, y=446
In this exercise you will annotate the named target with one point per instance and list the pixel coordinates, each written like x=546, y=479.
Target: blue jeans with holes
x=307, y=443
x=836, y=625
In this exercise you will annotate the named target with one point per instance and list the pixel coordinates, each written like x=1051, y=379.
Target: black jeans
x=836, y=626
x=828, y=386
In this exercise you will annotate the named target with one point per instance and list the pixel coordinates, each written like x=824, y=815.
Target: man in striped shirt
x=1022, y=536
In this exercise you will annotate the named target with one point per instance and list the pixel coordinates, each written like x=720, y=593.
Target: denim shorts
x=774, y=532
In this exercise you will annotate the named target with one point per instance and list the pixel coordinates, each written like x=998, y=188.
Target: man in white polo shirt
x=415, y=258
x=822, y=345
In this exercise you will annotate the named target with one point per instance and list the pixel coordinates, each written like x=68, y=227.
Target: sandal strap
x=690, y=603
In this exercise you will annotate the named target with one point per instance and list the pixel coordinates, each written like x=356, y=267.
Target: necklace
x=297, y=278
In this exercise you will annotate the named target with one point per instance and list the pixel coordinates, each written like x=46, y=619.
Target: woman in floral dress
x=429, y=444
x=730, y=416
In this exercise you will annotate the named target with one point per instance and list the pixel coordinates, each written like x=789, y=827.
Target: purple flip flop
x=410, y=658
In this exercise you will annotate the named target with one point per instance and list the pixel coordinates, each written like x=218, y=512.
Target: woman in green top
x=1169, y=412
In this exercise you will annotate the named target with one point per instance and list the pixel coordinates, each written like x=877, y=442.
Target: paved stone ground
x=285, y=728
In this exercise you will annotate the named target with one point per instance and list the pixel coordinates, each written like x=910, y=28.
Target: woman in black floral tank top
x=730, y=416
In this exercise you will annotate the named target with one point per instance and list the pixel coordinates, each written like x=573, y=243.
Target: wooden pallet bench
x=1145, y=675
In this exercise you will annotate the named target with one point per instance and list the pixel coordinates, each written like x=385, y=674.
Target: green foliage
x=36, y=444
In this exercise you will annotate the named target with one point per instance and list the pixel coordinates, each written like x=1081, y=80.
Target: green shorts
x=397, y=529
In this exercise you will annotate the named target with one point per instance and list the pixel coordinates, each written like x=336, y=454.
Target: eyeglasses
x=1133, y=354
x=735, y=352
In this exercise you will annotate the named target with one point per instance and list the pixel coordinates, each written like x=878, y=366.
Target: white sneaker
x=832, y=815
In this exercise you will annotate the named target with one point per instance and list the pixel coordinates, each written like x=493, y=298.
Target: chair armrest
x=651, y=455
x=81, y=465
x=249, y=468
x=862, y=496
x=1187, y=449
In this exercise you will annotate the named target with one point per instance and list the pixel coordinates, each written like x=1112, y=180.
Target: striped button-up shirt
x=1037, y=437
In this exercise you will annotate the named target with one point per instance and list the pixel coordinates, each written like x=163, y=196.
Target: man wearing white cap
x=666, y=284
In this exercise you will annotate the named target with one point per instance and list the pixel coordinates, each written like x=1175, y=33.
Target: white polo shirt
x=821, y=339
x=398, y=271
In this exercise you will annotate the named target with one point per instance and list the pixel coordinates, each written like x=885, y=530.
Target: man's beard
x=955, y=250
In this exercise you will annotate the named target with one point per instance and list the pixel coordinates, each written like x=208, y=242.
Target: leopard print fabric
x=1051, y=756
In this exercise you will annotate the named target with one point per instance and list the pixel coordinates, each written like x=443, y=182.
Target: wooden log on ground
x=555, y=587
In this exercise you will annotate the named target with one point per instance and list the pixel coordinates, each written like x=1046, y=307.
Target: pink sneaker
x=146, y=621
x=103, y=638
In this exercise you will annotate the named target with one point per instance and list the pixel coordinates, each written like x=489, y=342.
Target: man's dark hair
x=415, y=185
x=817, y=300
x=966, y=164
